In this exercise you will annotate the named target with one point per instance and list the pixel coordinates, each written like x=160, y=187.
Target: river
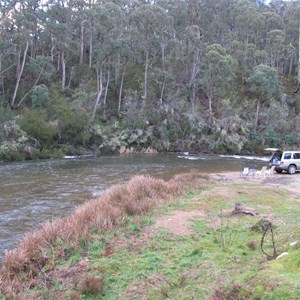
x=32, y=192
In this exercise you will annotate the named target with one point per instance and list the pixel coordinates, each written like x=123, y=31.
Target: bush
x=290, y=139
x=34, y=123
x=14, y=143
x=271, y=137
x=71, y=123
x=6, y=114
x=9, y=153
x=39, y=96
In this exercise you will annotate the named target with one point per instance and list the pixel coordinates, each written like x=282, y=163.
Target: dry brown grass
x=252, y=245
x=40, y=249
x=91, y=284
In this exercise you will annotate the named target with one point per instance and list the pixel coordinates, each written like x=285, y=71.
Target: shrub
x=14, y=143
x=271, y=137
x=290, y=139
x=39, y=96
x=6, y=114
x=71, y=124
x=34, y=123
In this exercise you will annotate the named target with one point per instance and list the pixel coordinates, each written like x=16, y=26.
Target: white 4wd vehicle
x=285, y=161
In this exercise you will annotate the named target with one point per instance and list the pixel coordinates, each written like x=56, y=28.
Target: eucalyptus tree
x=150, y=23
x=264, y=85
x=290, y=13
x=21, y=24
x=195, y=49
x=7, y=51
x=41, y=69
x=247, y=56
x=251, y=25
x=218, y=75
x=275, y=47
x=164, y=34
x=106, y=42
x=60, y=16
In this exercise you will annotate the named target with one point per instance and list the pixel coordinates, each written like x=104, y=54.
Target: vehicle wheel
x=278, y=171
x=292, y=169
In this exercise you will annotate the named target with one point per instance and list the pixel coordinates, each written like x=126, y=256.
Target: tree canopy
x=175, y=69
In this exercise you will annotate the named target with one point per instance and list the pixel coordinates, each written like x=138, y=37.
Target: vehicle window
x=296, y=155
x=287, y=155
x=277, y=155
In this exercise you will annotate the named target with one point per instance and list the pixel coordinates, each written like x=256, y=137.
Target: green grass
x=217, y=257
x=175, y=267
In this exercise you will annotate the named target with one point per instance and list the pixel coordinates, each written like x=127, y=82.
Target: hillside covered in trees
x=174, y=75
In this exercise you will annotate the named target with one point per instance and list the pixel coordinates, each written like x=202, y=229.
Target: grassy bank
x=152, y=239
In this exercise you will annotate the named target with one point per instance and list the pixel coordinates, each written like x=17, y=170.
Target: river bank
x=190, y=246
x=32, y=192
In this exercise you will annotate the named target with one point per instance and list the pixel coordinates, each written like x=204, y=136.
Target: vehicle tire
x=292, y=169
x=278, y=171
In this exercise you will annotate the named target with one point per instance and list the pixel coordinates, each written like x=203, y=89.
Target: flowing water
x=33, y=192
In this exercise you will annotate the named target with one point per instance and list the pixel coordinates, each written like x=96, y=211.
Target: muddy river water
x=33, y=192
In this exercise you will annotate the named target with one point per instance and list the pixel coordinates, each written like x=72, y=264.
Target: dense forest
x=137, y=75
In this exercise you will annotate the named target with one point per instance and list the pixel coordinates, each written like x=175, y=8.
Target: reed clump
x=42, y=248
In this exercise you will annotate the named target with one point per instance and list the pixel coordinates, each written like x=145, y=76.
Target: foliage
x=218, y=70
x=35, y=124
x=71, y=124
x=264, y=82
x=271, y=137
x=41, y=66
x=39, y=96
x=15, y=144
x=177, y=69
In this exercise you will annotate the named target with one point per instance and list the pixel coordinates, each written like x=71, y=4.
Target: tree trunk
x=91, y=46
x=81, y=42
x=164, y=73
x=20, y=69
x=195, y=71
x=1, y=80
x=162, y=90
x=63, y=69
x=71, y=76
x=58, y=61
x=299, y=58
x=146, y=74
x=117, y=69
x=210, y=110
x=34, y=85
x=121, y=88
x=99, y=93
x=291, y=64
x=193, y=98
x=257, y=114
x=105, y=94
x=52, y=53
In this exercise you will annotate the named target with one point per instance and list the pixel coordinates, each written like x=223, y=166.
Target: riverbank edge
x=140, y=195
x=55, y=254
x=70, y=151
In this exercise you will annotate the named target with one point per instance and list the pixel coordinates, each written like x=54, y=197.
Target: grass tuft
x=91, y=284
x=252, y=245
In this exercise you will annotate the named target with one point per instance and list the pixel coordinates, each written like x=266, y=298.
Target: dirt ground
x=285, y=181
x=180, y=222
